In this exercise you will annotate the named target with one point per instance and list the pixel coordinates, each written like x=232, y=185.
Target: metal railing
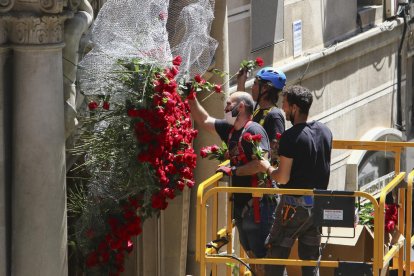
x=209, y=190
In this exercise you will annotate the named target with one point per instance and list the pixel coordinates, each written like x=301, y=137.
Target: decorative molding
x=51, y=6
x=6, y=5
x=29, y=30
x=73, y=5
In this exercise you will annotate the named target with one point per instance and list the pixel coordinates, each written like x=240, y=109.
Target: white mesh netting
x=151, y=30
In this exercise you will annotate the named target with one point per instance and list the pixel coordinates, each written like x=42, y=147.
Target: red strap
x=243, y=158
x=256, y=201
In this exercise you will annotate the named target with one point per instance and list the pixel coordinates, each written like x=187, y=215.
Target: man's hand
x=264, y=165
x=224, y=169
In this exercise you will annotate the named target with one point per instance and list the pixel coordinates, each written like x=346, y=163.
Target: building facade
x=355, y=56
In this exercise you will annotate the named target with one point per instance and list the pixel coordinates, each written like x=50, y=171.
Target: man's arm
x=282, y=174
x=241, y=80
x=251, y=167
x=201, y=117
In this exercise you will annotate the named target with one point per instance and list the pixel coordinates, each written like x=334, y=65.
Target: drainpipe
x=403, y=12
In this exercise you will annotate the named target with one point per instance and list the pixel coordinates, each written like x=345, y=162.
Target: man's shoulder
x=254, y=127
x=221, y=123
x=275, y=112
x=222, y=127
x=321, y=127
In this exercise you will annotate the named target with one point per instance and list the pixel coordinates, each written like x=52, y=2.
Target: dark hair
x=299, y=95
x=248, y=102
x=272, y=94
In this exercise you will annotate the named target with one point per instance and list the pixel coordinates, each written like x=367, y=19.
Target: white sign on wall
x=297, y=38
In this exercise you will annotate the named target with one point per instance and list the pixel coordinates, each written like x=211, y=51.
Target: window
x=266, y=23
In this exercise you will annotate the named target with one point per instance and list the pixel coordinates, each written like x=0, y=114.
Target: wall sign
x=297, y=38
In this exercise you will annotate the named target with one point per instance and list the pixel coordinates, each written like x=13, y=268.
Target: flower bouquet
x=250, y=65
x=255, y=140
x=215, y=152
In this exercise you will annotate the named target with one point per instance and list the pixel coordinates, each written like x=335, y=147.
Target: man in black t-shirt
x=238, y=116
x=305, y=157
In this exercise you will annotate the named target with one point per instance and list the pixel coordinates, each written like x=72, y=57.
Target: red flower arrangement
x=166, y=130
x=141, y=152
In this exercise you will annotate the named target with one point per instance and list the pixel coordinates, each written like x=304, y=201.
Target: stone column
x=4, y=156
x=39, y=223
x=215, y=107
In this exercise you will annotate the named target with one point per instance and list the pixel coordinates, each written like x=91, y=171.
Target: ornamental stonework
x=29, y=30
x=6, y=5
x=38, y=6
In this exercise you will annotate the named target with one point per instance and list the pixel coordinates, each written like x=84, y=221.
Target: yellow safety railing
x=209, y=190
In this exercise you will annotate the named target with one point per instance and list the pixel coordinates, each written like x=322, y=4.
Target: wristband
x=233, y=170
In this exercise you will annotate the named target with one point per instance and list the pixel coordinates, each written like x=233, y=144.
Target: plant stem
x=209, y=95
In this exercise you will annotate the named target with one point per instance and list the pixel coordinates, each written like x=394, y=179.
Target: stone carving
x=51, y=6
x=37, y=30
x=6, y=5
x=74, y=4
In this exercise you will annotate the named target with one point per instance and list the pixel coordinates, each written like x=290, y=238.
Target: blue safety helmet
x=275, y=76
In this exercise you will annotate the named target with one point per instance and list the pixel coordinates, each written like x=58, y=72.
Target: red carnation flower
x=191, y=95
x=105, y=257
x=158, y=202
x=278, y=136
x=93, y=105
x=129, y=246
x=214, y=148
x=247, y=137
x=180, y=185
x=105, y=105
x=92, y=259
x=217, y=88
x=168, y=193
x=190, y=183
x=174, y=70
x=259, y=61
x=199, y=79
x=177, y=60
x=257, y=138
x=133, y=113
x=204, y=152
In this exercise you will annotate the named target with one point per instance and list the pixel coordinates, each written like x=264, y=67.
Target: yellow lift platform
x=208, y=195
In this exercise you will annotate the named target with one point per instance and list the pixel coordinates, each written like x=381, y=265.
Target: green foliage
x=366, y=214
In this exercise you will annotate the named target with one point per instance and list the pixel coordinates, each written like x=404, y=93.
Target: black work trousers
x=291, y=223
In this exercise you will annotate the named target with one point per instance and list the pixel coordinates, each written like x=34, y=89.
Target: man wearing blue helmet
x=268, y=84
